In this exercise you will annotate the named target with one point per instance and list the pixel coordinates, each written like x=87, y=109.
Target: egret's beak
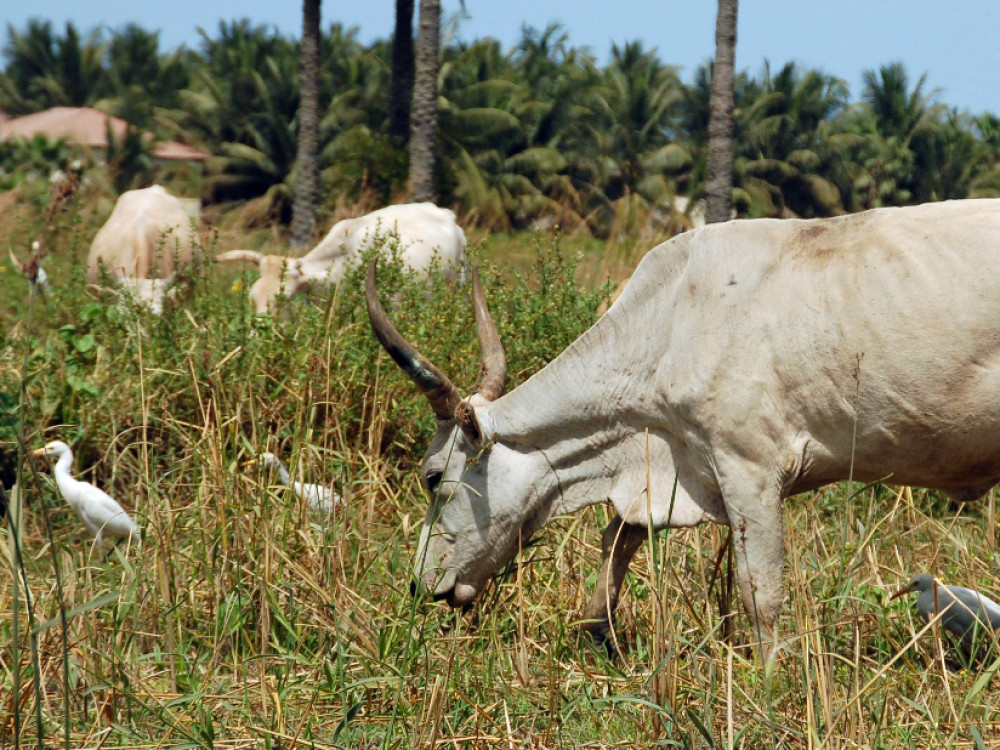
x=38, y=452
x=251, y=462
x=901, y=592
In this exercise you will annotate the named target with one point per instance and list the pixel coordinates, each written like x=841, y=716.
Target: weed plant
x=245, y=621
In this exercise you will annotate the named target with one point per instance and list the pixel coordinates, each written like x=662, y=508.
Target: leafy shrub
x=23, y=158
x=103, y=369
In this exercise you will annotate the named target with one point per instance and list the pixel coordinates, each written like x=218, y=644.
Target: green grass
x=245, y=622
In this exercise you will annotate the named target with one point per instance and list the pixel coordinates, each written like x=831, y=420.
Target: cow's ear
x=465, y=416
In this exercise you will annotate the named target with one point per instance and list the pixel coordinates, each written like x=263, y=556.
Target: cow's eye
x=433, y=480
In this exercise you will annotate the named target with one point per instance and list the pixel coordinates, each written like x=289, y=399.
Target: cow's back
x=427, y=231
x=424, y=229
x=147, y=230
x=871, y=339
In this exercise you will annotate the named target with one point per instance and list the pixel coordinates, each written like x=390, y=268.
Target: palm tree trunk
x=307, y=190
x=424, y=115
x=719, y=170
x=402, y=73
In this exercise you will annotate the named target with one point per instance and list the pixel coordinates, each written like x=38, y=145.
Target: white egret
x=973, y=617
x=319, y=498
x=103, y=516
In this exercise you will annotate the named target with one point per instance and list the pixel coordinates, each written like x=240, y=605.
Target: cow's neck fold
x=603, y=384
x=582, y=410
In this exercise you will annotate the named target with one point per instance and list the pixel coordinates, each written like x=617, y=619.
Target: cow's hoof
x=600, y=634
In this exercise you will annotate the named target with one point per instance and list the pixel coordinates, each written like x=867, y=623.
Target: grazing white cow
x=149, y=292
x=688, y=215
x=148, y=231
x=425, y=231
x=745, y=362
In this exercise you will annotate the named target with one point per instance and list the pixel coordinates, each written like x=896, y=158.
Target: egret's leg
x=619, y=544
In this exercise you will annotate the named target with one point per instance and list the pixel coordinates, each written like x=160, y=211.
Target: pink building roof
x=86, y=127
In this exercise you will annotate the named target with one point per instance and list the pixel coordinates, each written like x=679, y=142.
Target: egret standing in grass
x=96, y=508
x=319, y=498
x=971, y=616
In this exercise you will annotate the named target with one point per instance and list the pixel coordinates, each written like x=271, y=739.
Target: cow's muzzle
x=459, y=595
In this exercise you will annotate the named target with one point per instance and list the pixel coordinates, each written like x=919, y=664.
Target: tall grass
x=245, y=621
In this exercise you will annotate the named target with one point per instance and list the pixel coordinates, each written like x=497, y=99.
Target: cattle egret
x=318, y=498
x=98, y=510
x=966, y=613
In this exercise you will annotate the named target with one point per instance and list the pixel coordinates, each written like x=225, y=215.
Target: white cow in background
x=148, y=233
x=425, y=231
x=152, y=293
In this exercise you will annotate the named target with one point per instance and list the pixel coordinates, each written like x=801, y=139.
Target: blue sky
x=954, y=43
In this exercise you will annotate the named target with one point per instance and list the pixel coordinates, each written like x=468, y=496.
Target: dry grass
x=245, y=622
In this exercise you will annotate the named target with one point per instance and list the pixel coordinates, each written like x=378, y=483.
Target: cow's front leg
x=619, y=544
x=753, y=505
x=757, y=537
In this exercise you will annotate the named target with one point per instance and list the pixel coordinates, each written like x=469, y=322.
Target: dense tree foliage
x=537, y=135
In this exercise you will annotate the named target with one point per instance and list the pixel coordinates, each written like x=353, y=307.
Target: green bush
x=90, y=367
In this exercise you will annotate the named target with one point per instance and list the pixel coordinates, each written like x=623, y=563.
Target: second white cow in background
x=148, y=233
x=425, y=231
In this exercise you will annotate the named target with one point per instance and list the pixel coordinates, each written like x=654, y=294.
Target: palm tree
x=639, y=100
x=307, y=188
x=790, y=149
x=986, y=182
x=719, y=170
x=140, y=80
x=361, y=160
x=402, y=72
x=562, y=91
x=424, y=113
x=46, y=70
x=900, y=126
x=480, y=130
x=130, y=159
x=242, y=104
x=507, y=125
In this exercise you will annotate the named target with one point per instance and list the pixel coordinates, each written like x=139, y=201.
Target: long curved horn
x=250, y=256
x=96, y=291
x=494, y=376
x=434, y=384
